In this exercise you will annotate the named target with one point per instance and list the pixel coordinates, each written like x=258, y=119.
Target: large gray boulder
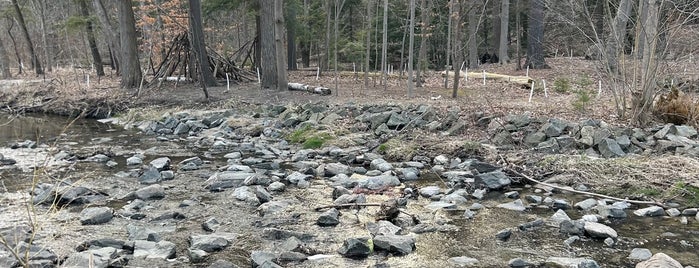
x=609, y=148
x=356, y=248
x=154, y=250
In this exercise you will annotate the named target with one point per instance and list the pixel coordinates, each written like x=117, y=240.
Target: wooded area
x=141, y=41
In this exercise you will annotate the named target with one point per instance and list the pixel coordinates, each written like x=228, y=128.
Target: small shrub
x=584, y=81
x=299, y=135
x=688, y=192
x=561, y=85
x=582, y=100
x=382, y=148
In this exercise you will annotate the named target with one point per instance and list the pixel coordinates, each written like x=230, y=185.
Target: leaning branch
x=637, y=202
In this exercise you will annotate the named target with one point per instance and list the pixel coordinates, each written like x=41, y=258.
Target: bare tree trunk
x=640, y=29
x=367, y=53
x=518, y=24
x=384, y=45
x=495, y=16
x=644, y=100
x=617, y=37
x=268, y=61
x=504, y=32
x=338, y=9
x=472, y=38
x=535, y=36
x=448, y=54
x=130, y=66
x=110, y=31
x=23, y=26
x=40, y=6
x=424, y=28
x=410, y=49
x=206, y=76
x=14, y=46
x=325, y=60
x=279, y=44
x=4, y=63
x=291, y=39
x=458, y=53
x=96, y=57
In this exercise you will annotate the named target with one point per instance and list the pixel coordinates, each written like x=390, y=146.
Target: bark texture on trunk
x=472, y=38
x=458, y=52
x=198, y=45
x=279, y=44
x=268, y=59
x=130, y=66
x=535, y=36
x=503, y=47
x=4, y=63
x=110, y=31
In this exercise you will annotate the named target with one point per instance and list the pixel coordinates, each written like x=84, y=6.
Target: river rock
x=586, y=204
x=150, y=176
x=226, y=179
x=378, y=182
x=519, y=263
x=571, y=227
x=558, y=217
x=503, y=234
x=673, y=212
x=640, y=254
x=222, y=264
x=382, y=228
x=167, y=175
x=208, y=243
x=276, y=187
x=161, y=163
x=333, y=169
x=356, y=248
x=531, y=225
x=516, y=205
x=210, y=225
x=654, y=211
x=429, y=191
x=396, y=244
x=97, y=258
x=690, y=212
x=245, y=193
x=155, y=191
x=142, y=233
x=599, y=230
x=381, y=164
x=263, y=259
x=329, y=218
x=154, y=250
x=494, y=180
x=610, y=148
x=463, y=261
x=96, y=215
x=660, y=260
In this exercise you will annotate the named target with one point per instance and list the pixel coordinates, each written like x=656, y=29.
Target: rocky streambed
x=248, y=187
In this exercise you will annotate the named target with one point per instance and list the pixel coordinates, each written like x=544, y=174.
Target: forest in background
x=366, y=35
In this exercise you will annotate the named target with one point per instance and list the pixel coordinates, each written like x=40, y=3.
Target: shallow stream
x=475, y=237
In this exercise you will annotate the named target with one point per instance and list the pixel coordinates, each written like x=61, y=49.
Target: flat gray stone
x=161, y=163
x=96, y=215
x=154, y=250
x=640, y=254
x=654, y=211
x=494, y=180
x=382, y=228
x=516, y=205
x=209, y=243
x=586, y=204
x=396, y=244
x=598, y=230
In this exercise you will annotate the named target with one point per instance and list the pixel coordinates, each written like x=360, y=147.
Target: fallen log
x=311, y=89
x=525, y=81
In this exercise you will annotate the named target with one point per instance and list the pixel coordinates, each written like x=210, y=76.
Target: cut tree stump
x=524, y=81
x=311, y=89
